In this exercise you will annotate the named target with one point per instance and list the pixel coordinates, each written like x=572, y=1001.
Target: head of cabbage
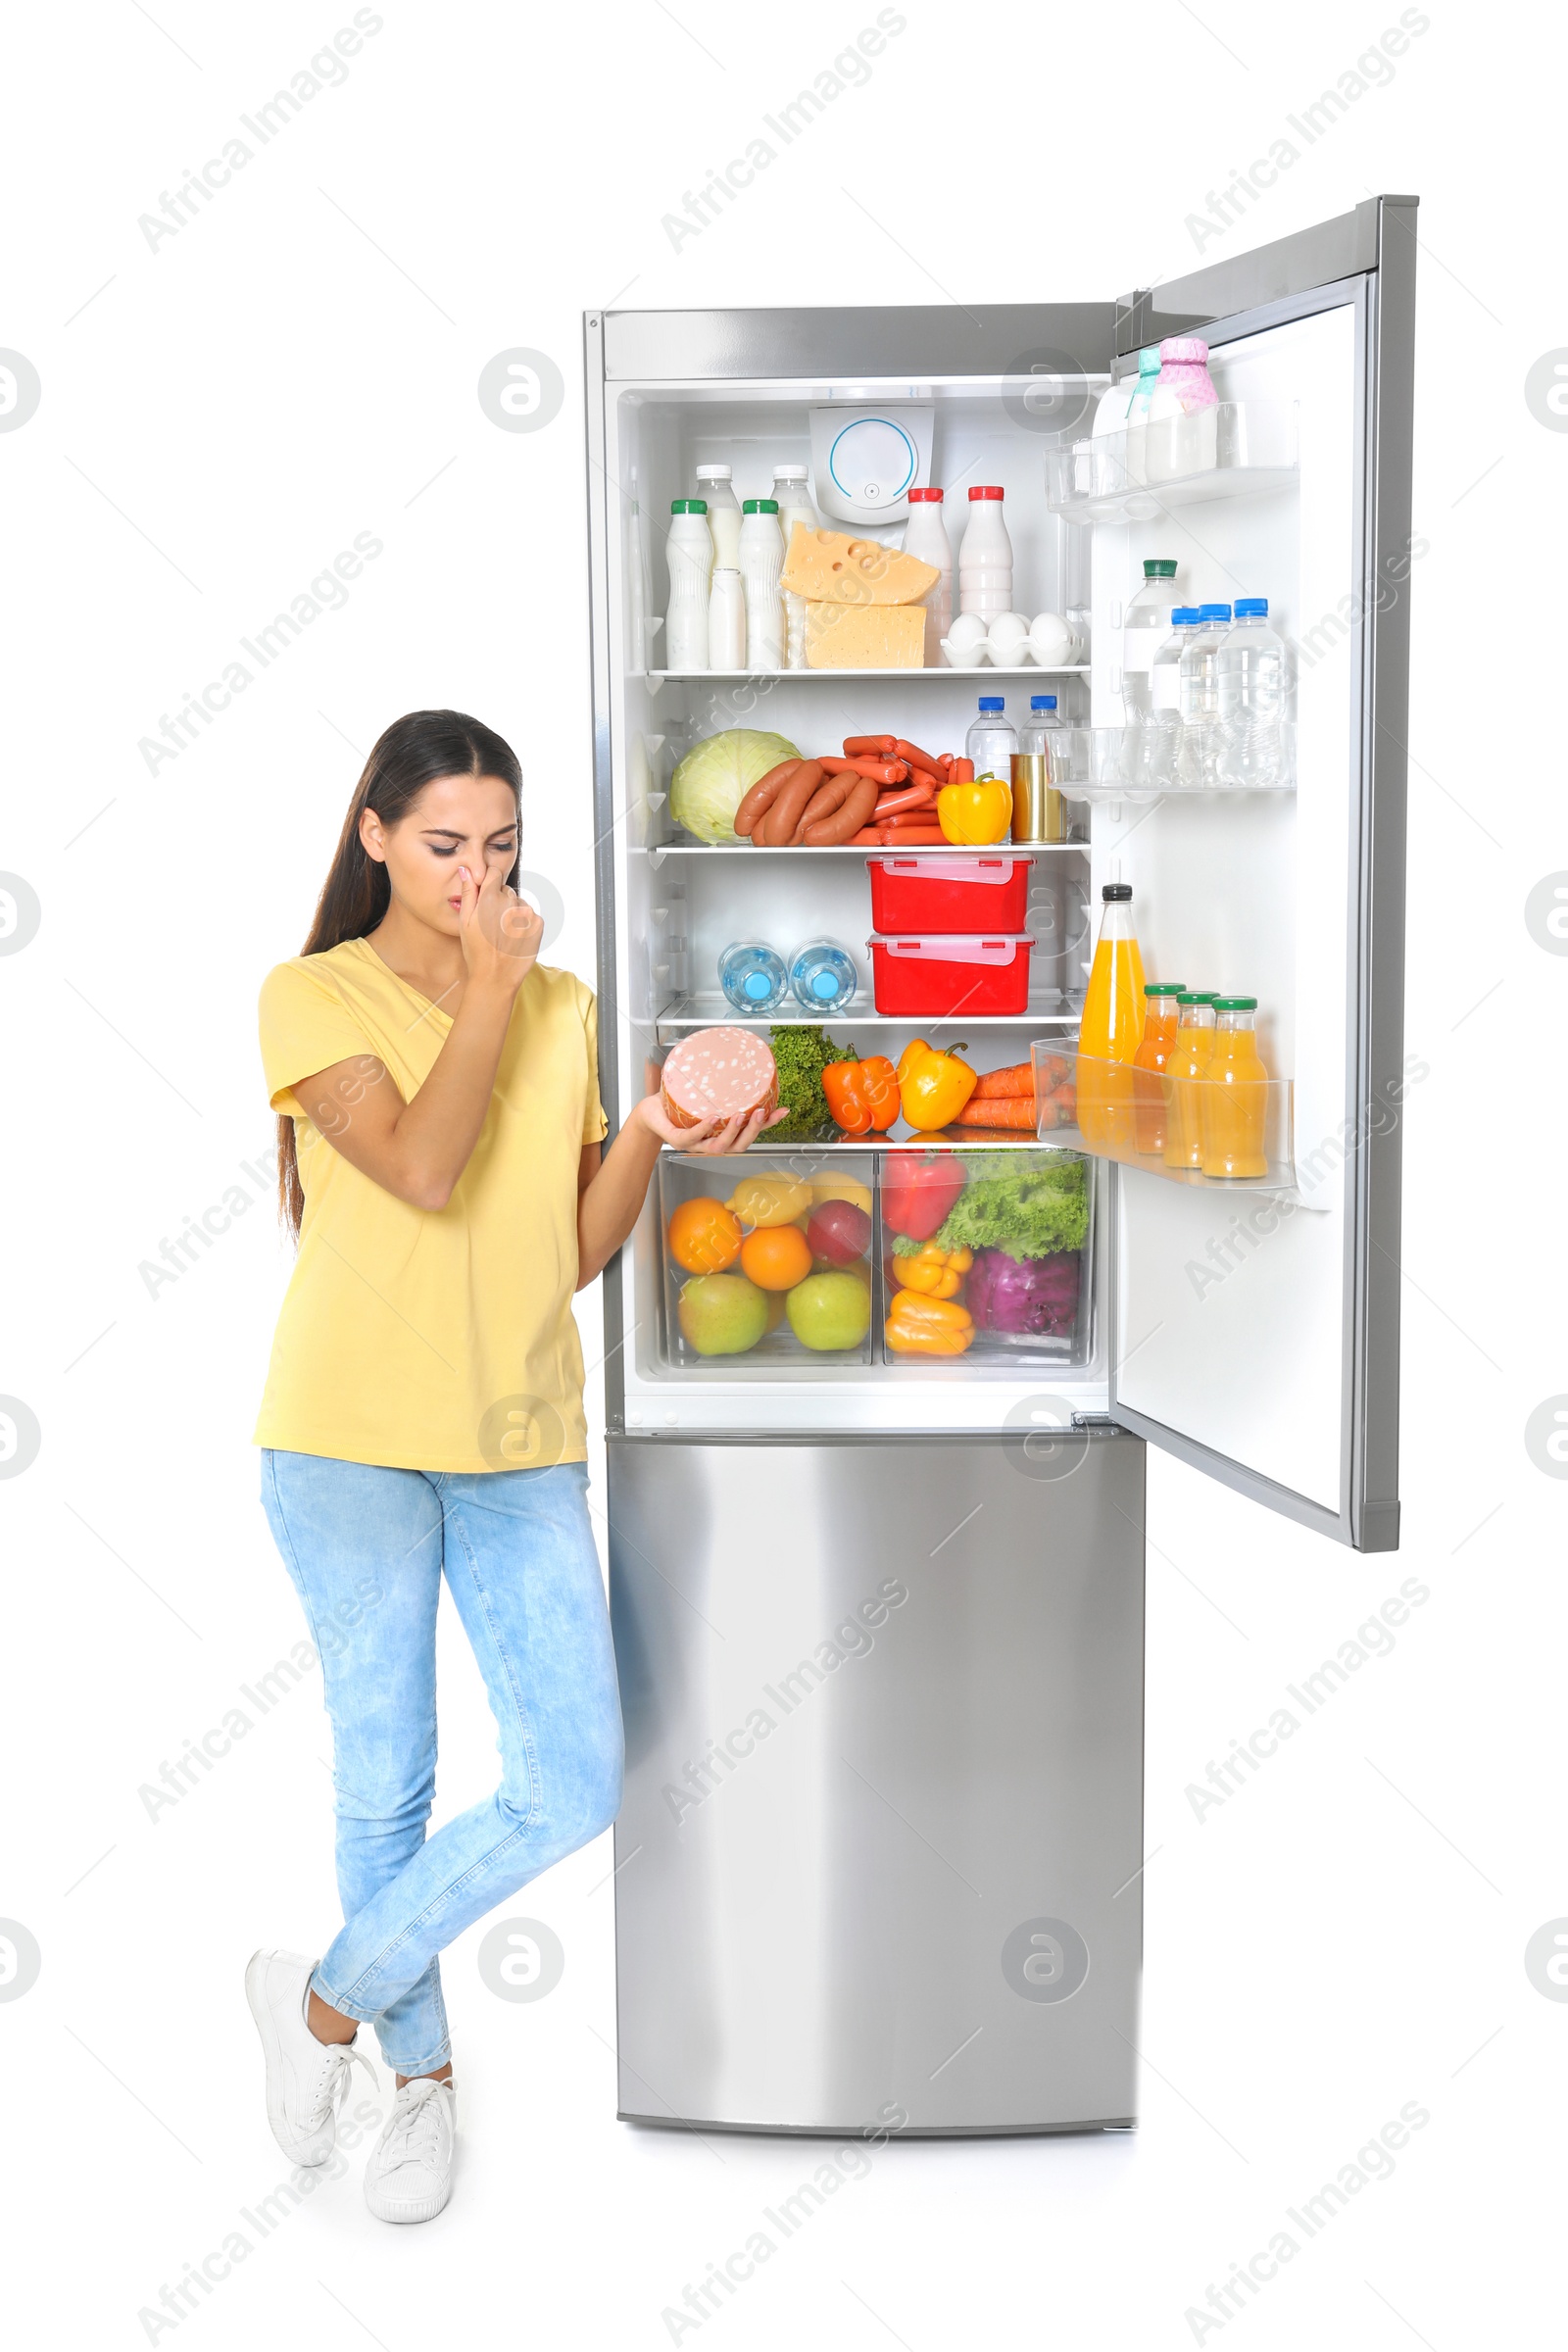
x=716, y=774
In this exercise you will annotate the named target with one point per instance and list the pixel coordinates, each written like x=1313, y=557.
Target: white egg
x=967, y=629
x=1050, y=640
x=1008, y=625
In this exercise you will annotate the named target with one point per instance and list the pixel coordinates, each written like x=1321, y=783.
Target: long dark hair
x=416, y=751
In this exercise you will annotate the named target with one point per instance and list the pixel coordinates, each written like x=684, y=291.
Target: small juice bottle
x=1161, y=1020
x=1232, y=1110
x=1111, y=1029
x=1183, y=1076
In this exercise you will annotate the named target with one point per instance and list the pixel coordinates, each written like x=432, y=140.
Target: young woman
x=440, y=1161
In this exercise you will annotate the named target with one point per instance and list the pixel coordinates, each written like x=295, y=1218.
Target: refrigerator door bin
x=951, y=976
x=768, y=1262
x=1006, y=1276
x=936, y=892
x=877, y=1865
x=1143, y=1119
x=1224, y=450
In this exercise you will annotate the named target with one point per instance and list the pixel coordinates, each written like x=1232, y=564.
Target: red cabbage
x=1034, y=1294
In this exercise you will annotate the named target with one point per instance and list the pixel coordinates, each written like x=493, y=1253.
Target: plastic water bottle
x=990, y=742
x=1198, y=690
x=752, y=977
x=822, y=976
x=1252, y=701
x=1146, y=624
x=1159, y=735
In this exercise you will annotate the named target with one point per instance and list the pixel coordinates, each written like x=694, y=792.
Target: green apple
x=829, y=1312
x=722, y=1314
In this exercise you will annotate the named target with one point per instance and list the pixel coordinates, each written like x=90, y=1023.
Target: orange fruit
x=704, y=1237
x=777, y=1256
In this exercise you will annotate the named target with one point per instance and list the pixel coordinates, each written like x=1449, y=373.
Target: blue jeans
x=367, y=1548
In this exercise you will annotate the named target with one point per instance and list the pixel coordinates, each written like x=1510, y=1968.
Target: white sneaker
x=409, y=2175
x=306, y=2078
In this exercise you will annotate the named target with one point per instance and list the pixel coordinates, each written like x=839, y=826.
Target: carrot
x=1017, y=1079
x=999, y=1110
x=882, y=745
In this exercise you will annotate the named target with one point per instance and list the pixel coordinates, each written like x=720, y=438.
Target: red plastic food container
x=955, y=975
x=970, y=892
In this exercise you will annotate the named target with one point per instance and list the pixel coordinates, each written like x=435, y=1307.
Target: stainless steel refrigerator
x=879, y=1614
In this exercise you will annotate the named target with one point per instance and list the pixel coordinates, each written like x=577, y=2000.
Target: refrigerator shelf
x=709, y=1008
x=1237, y=449
x=658, y=851
x=702, y=678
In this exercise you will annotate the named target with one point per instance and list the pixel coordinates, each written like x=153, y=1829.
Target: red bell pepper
x=918, y=1187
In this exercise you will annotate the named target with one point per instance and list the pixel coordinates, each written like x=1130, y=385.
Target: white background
x=1344, y=1935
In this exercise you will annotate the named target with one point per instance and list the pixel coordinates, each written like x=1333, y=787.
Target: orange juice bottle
x=1183, y=1076
x=1233, y=1111
x=1111, y=1029
x=1161, y=1020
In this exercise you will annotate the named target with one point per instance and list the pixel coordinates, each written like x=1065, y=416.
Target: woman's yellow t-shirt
x=433, y=1339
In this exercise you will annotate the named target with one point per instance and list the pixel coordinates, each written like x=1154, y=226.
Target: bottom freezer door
x=878, y=1864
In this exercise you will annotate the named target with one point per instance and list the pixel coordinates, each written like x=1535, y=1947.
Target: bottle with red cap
x=985, y=556
x=925, y=537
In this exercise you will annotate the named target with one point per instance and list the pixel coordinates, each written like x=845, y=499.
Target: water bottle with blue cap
x=752, y=977
x=822, y=977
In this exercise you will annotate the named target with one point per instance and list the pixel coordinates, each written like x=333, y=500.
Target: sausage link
x=917, y=795
x=914, y=754
x=781, y=825
x=833, y=831
x=882, y=745
x=763, y=795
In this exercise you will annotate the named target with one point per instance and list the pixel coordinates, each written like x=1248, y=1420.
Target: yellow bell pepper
x=973, y=815
x=935, y=1272
x=917, y=1326
x=933, y=1086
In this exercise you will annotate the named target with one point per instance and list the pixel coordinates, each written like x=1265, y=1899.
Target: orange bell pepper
x=918, y=1326
x=933, y=1086
x=862, y=1095
x=935, y=1272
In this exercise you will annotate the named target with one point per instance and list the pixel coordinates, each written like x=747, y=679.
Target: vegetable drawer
x=950, y=893
x=951, y=976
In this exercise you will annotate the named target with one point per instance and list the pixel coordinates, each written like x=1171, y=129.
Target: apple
x=839, y=1231
x=722, y=1314
x=827, y=1311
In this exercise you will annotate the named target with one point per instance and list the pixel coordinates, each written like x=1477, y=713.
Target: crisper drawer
x=908, y=1256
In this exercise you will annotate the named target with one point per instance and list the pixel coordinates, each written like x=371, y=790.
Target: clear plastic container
x=768, y=1264
x=1251, y=671
x=991, y=1306
x=992, y=742
x=1146, y=624
x=1199, y=689
x=822, y=976
x=1154, y=751
x=753, y=976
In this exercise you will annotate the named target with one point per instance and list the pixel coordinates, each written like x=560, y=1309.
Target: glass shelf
x=658, y=851
x=1113, y=1111
x=709, y=1008
x=1237, y=449
x=967, y=671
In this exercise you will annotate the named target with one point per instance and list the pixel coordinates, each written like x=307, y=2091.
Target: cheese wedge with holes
x=865, y=636
x=828, y=568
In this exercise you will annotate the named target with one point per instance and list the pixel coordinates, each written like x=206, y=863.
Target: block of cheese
x=828, y=568
x=864, y=636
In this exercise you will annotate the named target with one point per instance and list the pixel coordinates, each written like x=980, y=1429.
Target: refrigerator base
x=674, y=2123
x=879, y=1855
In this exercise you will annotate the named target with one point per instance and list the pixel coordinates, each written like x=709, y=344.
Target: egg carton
x=1012, y=642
